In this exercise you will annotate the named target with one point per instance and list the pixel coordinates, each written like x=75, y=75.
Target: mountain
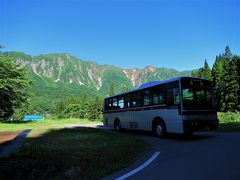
x=58, y=76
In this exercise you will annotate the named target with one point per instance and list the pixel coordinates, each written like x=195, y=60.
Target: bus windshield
x=196, y=94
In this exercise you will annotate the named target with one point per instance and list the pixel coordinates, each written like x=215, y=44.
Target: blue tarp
x=33, y=117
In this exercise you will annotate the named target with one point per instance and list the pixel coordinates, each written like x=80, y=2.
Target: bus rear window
x=196, y=94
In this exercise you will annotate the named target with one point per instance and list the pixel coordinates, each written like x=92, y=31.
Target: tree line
x=225, y=77
x=82, y=107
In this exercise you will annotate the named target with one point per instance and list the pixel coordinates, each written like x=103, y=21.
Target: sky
x=178, y=34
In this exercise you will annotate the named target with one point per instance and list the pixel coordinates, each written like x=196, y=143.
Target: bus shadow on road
x=194, y=137
x=171, y=136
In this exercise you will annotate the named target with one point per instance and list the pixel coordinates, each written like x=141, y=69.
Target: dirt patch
x=7, y=137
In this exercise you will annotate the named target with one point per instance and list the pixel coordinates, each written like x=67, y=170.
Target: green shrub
x=229, y=117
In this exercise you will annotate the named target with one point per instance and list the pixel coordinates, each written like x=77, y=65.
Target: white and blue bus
x=179, y=105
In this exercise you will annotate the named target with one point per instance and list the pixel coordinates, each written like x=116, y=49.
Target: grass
x=52, y=151
x=43, y=124
x=229, y=121
x=85, y=153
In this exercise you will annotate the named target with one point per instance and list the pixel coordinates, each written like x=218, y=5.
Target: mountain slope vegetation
x=60, y=76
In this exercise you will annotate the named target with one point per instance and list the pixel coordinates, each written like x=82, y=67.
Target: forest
x=225, y=77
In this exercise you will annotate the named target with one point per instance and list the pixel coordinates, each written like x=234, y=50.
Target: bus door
x=173, y=119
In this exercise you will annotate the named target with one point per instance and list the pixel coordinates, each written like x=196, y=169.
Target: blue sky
x=177, y=34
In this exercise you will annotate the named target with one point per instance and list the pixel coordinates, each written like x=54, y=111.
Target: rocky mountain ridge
x=69, y=69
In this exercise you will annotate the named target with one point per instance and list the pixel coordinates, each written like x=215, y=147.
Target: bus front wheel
x=117, y=125
x=160, y=129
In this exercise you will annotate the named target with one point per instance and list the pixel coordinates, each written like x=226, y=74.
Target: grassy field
x=43, y=124
x=55, y=152
x=229, y=121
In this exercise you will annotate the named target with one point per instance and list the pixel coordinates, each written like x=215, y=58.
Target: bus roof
x=153, y=83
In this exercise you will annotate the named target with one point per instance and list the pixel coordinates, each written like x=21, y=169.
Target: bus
x=178, y=105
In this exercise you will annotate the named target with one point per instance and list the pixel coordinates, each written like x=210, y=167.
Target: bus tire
x=159, y=129
x=117, y=125
x=188, y=133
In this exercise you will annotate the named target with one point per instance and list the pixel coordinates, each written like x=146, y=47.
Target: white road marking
x=150, y=160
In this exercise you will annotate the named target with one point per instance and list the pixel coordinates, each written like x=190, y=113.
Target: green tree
x=217, y=71
x=111, y=90
x=13, y=84
x=204, y=72
x=59, y=108
x=234, y=85
x=238, y=67
x=194, y=73
x=207, y=71
x=201, y=73
x=226, y=79
x=125, y=88
x=95, y=109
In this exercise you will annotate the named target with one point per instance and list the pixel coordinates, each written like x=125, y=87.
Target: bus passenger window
x=155, y=98
x=128, y=101
x=146, y=98
x=115, y=105
x=121, y=102
x=158, y=97
x=161, y=98
x=136, y=100
x=173, y=97
x=109, y=104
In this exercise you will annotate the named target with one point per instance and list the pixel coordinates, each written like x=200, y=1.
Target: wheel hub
x=159, y=130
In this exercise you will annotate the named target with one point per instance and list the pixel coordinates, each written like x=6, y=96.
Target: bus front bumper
x=200, y=125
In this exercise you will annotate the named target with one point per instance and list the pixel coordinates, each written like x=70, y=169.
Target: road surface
x=213, y=156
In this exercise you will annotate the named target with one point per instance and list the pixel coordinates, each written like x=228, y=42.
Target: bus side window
x=173, y=97
x=115, y=103
x=128, y=103
x=155, y=97
x=146, y=98
x=109, y=104
x=162, y=98
x=136, y=100
x=121, y=102
x=159, y=96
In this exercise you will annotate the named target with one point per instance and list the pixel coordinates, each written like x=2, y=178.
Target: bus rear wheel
x=188, y=133
x=117, y=125
x=160, y=129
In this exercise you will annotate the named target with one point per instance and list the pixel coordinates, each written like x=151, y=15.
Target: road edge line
x=149, y=161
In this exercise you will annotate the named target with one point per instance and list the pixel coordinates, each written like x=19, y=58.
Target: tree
x=194, y=73
x=217, y=71
x=125, y=88
x=95, y=109
x=234, y=85
x=238, y=65
x=13, y=84
x=226, y=78
x=207, y=71
x=204, y=72
x=201, y=72
x=111, y=90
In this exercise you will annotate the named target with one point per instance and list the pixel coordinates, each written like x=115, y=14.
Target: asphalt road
x=213, y=156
